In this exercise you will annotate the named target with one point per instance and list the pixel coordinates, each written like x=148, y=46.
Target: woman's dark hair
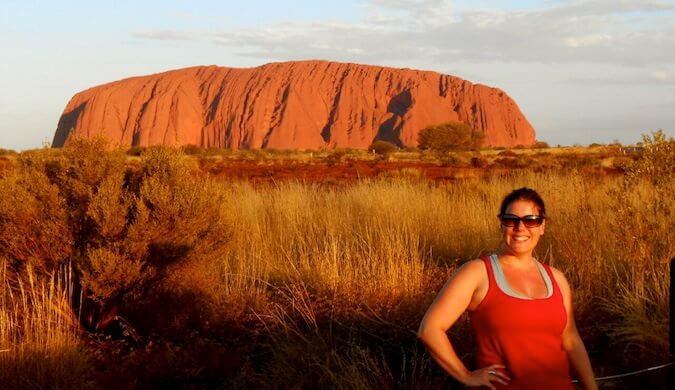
x=527, y=194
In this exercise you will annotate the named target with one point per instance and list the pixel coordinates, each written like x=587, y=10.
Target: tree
x=449, y=136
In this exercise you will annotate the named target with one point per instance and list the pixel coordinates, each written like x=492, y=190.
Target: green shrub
x=656, y=159
x=507, y=162
x=192, y=150
x=455, y=160
x=168, y=218
x=224, y=152
x=507, y=153
x=34, y=227
x=642, y=210
x=123, y=231
x=135, y=151
x=382, y=148
x=449, y=136
x=335, y=157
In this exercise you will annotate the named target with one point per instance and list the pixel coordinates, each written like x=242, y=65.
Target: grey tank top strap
x=504, y=286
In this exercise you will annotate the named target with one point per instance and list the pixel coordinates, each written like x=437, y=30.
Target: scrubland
x=155, y=270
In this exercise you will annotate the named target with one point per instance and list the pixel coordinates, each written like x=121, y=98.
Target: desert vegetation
x=449, y=136
x=151, y=269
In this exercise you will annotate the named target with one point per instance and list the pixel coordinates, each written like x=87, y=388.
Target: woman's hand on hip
x=486, y=375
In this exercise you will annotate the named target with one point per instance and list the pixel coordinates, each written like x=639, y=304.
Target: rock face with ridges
x=290, y=105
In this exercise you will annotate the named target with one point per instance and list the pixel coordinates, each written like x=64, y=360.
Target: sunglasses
x=530, y=221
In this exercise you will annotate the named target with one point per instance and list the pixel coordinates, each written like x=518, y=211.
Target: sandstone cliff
x=291, y=105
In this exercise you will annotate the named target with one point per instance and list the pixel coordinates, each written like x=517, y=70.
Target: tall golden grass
x=326, y=284
x=40, y=339
x=377, y=244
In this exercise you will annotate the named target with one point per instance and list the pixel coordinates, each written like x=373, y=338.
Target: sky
x=582, y=71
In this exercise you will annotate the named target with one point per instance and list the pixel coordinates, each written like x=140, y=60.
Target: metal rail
x=603, y=378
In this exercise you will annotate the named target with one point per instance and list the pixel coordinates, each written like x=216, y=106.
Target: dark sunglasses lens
x=532, y=221
x=510, y=220
x=529, y=221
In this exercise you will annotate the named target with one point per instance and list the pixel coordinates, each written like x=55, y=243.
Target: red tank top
x=524, y=335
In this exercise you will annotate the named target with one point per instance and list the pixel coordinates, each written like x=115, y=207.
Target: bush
x=335, y=157
x=540, y=145
x=382, y=148
x=6, y=164
x=520, y=161
x=122, y=231
x=656, y=159
x=192, y=149
x=135, y=151
x=34, y=228
x=642, y=209
x=456, y=160
x=449, y=136
x=507, y=153
x=479, y=162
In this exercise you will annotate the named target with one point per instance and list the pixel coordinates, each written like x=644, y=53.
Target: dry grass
x=325, y=285
x=39, y=333
x=369, y=247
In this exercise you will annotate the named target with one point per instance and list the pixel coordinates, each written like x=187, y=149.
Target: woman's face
x=519, y=239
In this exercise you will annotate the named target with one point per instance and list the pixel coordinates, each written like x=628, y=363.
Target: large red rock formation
x=290, y=105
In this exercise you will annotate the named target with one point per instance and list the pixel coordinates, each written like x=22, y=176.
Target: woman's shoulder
x=474, y=265
x=556, y=272
x=560, y=278
x=473, y=269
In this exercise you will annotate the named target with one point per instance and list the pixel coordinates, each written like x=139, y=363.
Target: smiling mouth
x=520, y=238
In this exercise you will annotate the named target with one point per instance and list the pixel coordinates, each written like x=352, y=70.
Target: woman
x=520, y=311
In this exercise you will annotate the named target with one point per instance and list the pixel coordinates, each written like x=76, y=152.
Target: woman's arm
x=576, y=351
x=449, y=304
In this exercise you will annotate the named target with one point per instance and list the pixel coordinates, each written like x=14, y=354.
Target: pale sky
x=582, y=71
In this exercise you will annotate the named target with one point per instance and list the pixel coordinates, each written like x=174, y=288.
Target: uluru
x=288, y=105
